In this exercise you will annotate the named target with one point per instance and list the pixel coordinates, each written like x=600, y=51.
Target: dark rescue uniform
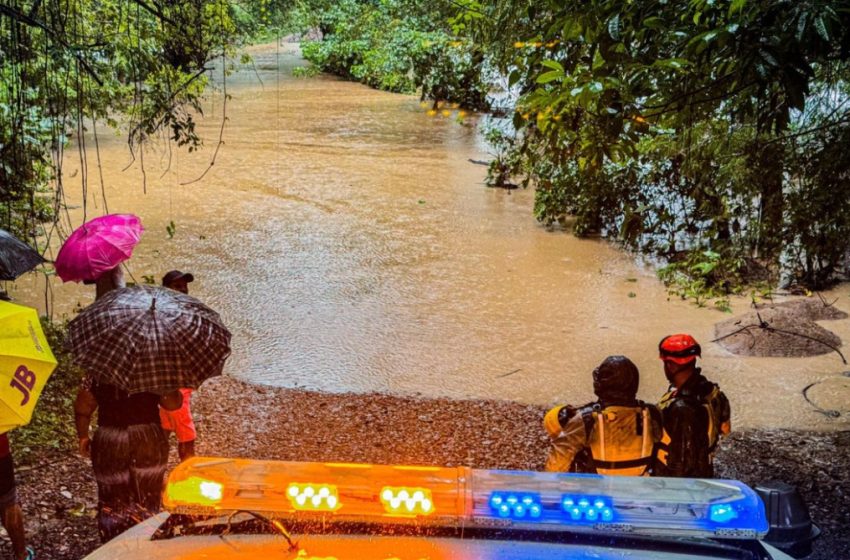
x=695, y=416
x=604, y=439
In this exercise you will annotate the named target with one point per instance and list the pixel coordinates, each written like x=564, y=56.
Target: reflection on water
x=351, y=246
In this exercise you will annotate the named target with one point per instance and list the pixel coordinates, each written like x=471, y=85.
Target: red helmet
x=679, y=348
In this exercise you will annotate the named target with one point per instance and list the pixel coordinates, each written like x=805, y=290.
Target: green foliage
x=262, y=21
x=685, y=129
x=704, y=276
x=506, y=159
x=52, y=425
x=394, y=45
x=305, y=71
x=67, y=67
x=817, y=207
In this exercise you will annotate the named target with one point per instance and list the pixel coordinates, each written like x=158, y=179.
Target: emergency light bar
x=464, y=497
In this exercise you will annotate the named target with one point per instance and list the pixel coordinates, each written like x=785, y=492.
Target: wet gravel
x=236, y=419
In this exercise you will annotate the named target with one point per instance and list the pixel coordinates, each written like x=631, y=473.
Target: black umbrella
x=149, y=338
x=16, y=257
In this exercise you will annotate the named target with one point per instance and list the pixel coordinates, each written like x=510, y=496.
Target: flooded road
x=350, y=245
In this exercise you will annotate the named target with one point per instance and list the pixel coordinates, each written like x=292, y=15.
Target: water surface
x=350, y=245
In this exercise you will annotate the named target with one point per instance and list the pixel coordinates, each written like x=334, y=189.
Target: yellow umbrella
x=26, y=363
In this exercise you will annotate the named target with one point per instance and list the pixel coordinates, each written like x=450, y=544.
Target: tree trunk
x=767, y=173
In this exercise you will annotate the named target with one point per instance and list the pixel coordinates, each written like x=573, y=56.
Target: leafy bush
x=395, y=46
x=703, y=276
x=710, y=133
x=52, y=425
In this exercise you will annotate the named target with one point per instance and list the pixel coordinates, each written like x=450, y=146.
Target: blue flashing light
x=722, y=513
x=723, y=509
x=523, y=506
x=587, y=509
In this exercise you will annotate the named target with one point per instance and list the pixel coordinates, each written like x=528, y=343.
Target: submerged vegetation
x=709, y=133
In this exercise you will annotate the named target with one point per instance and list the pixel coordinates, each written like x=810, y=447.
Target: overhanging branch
x=33, y=22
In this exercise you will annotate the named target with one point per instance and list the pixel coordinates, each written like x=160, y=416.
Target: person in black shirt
x=695, y=411
x=129, y=452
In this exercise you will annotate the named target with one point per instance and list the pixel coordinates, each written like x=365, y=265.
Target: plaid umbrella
x=16, y=257
x=149, y=338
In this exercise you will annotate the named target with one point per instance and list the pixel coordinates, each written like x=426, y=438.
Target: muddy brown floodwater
x=350, y=245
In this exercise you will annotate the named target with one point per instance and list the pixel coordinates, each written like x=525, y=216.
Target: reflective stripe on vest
x=620, y=439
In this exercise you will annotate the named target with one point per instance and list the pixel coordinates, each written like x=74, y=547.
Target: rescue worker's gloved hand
x=556, y=419
x=615, y=380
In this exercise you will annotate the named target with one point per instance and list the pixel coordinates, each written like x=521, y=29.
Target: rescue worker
x=696, y=413
x=615, y=435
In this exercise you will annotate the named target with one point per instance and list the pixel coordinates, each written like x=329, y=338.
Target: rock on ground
x=237, y=419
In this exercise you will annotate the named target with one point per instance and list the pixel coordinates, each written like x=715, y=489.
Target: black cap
x=176, y=275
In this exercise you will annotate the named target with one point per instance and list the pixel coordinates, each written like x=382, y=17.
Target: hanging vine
x=68, y=66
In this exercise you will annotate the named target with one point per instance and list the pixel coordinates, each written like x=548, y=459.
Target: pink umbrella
x=98, y=245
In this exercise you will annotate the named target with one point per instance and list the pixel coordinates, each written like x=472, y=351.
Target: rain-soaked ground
x=350, y=245
x=239, y=420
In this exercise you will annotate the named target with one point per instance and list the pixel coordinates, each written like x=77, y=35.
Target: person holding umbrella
x=94, y=251
x=26, y=363
x=16, y=257
x=129, y=453
x=139, y=346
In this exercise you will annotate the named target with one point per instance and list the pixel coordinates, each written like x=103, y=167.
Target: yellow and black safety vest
x=620, y=439
x=718, y=425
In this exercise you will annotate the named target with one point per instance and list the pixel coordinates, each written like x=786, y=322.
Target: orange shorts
x=180, y=421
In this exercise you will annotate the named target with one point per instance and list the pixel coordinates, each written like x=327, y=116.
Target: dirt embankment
x=235, y=419
x=787, y=329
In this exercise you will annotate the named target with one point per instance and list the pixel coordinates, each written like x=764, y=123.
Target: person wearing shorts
x=180, y=421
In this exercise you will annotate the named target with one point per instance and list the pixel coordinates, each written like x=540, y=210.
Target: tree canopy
x=710, y=133
x=73, y=66
x=707, y=132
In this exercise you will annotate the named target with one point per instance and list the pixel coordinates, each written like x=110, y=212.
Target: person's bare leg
x=13, y=521
x=186, y=450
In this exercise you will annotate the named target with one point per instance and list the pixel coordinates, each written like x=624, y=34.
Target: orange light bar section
x=313, y=497
x=407, y=501
x=344, y=492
